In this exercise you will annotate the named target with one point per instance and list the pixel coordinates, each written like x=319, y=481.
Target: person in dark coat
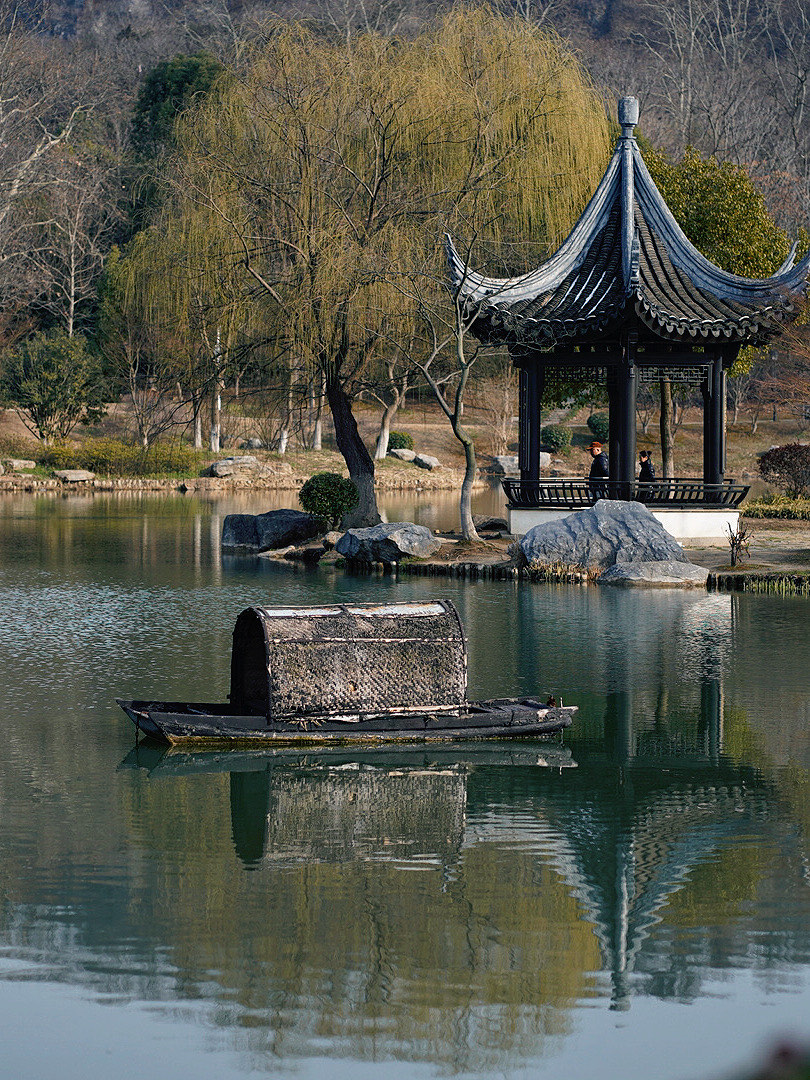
x=646, y=475
x=600, y=471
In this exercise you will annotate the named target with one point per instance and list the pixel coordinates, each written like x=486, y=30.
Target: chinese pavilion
x=628, y=298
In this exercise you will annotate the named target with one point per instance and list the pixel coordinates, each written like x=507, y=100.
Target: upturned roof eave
x=705, y=274
x=497, y=323
x=769, y=301
x=474, y=287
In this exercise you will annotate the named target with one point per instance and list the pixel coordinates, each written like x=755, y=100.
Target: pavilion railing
x=573, y=494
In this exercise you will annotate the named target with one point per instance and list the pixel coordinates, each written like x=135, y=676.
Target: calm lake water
x=632, y=903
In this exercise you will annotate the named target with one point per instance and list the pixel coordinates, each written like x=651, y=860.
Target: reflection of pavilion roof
x=624, y=870
x=627, y=263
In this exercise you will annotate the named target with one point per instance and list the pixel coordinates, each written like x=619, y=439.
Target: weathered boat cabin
x=348, y=659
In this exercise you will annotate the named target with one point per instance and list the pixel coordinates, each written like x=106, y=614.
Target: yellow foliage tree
x=335, y=168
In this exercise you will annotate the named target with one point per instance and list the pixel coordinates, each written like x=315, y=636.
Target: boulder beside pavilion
x=612, y=534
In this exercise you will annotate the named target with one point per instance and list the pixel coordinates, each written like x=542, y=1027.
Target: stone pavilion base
x=698, y=523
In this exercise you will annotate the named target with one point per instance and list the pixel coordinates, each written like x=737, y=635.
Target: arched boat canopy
x=347, y=659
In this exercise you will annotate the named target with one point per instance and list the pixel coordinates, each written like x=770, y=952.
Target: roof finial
x=628, y=115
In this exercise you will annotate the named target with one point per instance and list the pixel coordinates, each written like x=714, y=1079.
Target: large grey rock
x=508, y=464
x=505, y=465
x=267, y=532
x=490, y=524
x=402, y=453
x=662, y=575
x=388, y=543
x=608, y=532
x=74, y=476
x=19, y=464
x=279, y=528
x=425, y=461
x=245, y=465
x=239, y=531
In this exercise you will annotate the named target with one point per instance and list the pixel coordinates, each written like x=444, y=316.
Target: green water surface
x=631, y=903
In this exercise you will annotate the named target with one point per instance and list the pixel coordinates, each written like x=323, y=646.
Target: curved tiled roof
x=627, y=263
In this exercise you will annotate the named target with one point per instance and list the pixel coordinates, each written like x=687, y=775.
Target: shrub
x=112, y=457
x=788, y=467
x=60, y=455
x=778, y=506
x=599, y=426
x=556, y=438
x=400, y=440
x=55, y=383
x=329, y=496
x=20, y=446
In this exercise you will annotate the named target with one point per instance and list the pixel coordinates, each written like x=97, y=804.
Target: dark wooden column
x=530, y=398
x=622, y=404
x=711, y=716
x=713, y=388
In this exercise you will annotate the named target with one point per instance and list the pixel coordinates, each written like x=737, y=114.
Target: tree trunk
x=667, y=441
x=196, y=404
x=316, y=411
x=389, y=412
x=357, y=458
x=468, y=530
x=284, y=434
x=216, y=410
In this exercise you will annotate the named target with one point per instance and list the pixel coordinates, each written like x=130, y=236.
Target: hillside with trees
x=235, y=195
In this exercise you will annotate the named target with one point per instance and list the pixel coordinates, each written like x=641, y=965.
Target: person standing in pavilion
x=600, y=471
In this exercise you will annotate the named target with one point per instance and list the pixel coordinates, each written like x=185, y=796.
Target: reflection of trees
x=418, y=909
x=364, y=919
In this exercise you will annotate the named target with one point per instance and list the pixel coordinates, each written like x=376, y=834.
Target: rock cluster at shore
x=663, y=574
x=388, y=543
x=254, y=533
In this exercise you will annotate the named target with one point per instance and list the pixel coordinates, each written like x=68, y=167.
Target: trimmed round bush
x=556, y=438
x=599, y=426
x=400, y=440
x=328, y=496
x=788, y=467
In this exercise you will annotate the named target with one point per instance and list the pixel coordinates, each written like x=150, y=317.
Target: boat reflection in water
x=402, y=806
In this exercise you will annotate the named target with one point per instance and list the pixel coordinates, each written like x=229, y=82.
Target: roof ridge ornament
x=628, y=118
x=627, y=259
x=628, y=115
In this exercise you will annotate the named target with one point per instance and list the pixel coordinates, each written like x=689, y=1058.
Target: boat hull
x=177, y=722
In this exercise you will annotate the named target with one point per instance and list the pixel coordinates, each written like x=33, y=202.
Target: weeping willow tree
x=173, y=315
x=335, y=168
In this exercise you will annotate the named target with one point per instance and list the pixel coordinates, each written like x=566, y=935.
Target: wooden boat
x=348, y=673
